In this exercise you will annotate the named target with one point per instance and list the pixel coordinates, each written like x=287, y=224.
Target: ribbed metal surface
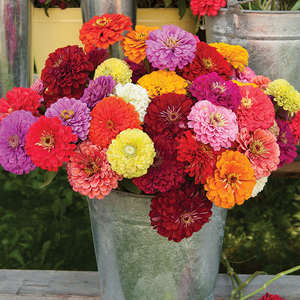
x=15, y=56
x=136, y=263
x=272, y=40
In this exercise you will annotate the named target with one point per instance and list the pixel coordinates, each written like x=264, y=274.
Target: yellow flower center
x=171, y=115
x=232, y=179
x=13, y=141
x=91, y=169
x=257, y=148
x=57, y=63
x=171, y=42
x=102, y=22
x=129, y=150
x=207, y=63
x=140, y=36
x=110, y=124
x=47, y=141
x=220, y=87
x=217, y=120
x=187, y=218
x=66, y=114
x=246, y=102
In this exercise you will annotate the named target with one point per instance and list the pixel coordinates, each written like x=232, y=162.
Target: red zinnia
x=200, y=159
x=295, y=127
x=207, y=60
x=49, y=143
x=66, y=72
x=167, y=115
x=20, y=98
x=271, y=297
x=179, y=213
x=103, y=31
x=166, y=172
x=209, y=7
x=110, y=116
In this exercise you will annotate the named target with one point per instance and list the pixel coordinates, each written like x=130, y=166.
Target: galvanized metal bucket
x=92, y=8
x=272, y=39
x=136, y=263
x=16, y=64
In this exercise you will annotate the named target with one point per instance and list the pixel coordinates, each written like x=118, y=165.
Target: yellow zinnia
x=162, y=82
x=131, y=153
x=236, y=55
x=233, y=180
x=115, y=67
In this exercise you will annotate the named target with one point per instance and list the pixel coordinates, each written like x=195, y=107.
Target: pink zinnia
x=214, y=125
x=256, y=109
x=209, y=7
x=89, y=171
x=261, y=149
x=244, y=76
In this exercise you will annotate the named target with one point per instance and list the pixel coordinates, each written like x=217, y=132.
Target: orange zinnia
x=133, y=43
x=232, y=182
x=103, y=31
x=110, y=116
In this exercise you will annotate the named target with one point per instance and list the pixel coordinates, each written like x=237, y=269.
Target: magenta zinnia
x=179, y=213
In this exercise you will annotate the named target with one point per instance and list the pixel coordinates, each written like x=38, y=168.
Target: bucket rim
x=262, y=12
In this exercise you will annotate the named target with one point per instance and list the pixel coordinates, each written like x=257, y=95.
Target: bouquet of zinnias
x=186, y=122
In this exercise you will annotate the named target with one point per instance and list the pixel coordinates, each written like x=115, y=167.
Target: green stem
x=147, y=65
x=110, y=51
x=272, y=280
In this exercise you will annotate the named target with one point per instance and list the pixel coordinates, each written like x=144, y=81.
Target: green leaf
x=167, y=2
x=45, y=248
x=296, y=6
x=182, y=7
x=16, y=255
x=127, y=184
x=253, y=6
x=48, y=177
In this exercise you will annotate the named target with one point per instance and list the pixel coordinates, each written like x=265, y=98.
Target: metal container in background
x=92, y=8
x=16, y=65
x=272, y=39
x=136, y=263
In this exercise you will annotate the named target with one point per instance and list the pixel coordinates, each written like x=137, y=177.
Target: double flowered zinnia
x=131, y=153
x=134, y=45
x=232, y=182
x=109, y=117
x=89, y=171
x=49, y=143
x=170, y=47
x=209, y=7
x=179, y=213
x=102, y=31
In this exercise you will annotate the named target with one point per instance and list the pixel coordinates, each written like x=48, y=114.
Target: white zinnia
x=135, y=95
x=259, y=186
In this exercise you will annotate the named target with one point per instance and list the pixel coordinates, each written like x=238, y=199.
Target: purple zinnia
x=13, y=131
x=72, y=113
x=215, y=89
x=170, y=47
x=285, y=140
x=98, y=89
x=97, y=56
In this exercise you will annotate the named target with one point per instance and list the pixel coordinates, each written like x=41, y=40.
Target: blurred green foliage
x=49, y=228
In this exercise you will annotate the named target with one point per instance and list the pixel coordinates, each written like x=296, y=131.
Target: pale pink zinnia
x=261, y=149
x=214, y=125
x=89, y=171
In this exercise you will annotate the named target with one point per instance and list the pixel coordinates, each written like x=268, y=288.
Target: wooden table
x=55, y=285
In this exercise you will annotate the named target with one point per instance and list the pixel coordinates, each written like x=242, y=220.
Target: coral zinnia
x=162, y=82
x=232, y=182
x=19, y=98
x=216, y=90
x=236, y=55
x=109, y=117
x=115, y=67
x=285, y=95
x=72, y=113
x=261, y=149
x=214, y=125
x=208, y=7
x=49, y=143
x=131, y=153
x=179, y=213
x=98, y=89
x=167, y=115
x=166, y=172
x=285, y=140
x=134, y=45
x=200, y=159
x=170, y=47
x=13, y=131
x=66, y=72
x=207, y=60
x=89, y=171
x=271, y=297
x=103, y=31
x=261, y=81
x=256, y=109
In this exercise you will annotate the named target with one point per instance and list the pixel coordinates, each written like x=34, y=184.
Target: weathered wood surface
x=56, y=285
